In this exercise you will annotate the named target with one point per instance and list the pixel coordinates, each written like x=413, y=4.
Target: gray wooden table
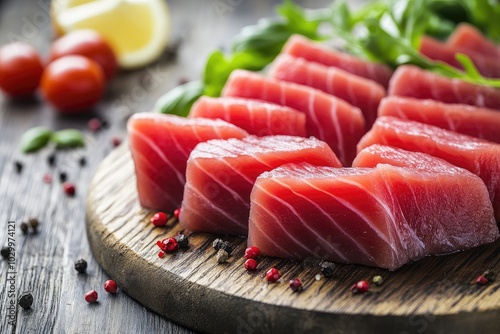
x=44, y=261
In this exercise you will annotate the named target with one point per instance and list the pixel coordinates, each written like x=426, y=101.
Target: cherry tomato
x=87, y=43
x=20, y=69
x=73, y=83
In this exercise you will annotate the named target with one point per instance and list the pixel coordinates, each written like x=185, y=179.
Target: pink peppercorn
x=159, y=219
x=110, y=286
x=272, y=275
x=252, y=252
x=250, y=264
x=91, y=296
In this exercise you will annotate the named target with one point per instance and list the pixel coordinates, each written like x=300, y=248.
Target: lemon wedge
x=58, y=6
x=137, y=30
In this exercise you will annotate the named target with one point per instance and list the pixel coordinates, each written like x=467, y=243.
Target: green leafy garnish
x=35, y=139
x=68, y=138
x=179, y=100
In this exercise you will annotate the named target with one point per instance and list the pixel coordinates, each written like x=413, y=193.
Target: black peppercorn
x=34, y=223
x=182, y=240
x=105, y=124
x=327, y=268
x=5, y=252
x=81, y=266
x=63, y=176
x=489, y=275
x=82, y=162
x=18, y=165
x=51, y=159
x=221, y=244
x=24, y=227
x=26, y=300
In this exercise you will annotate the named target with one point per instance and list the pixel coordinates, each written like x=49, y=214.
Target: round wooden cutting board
x=434, y=295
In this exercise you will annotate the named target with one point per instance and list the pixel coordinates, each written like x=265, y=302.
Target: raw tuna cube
x=469, y=120
x=469, y=37
x=160, y=146
x=258, y=118
x=221, y=173
x=476, y=155
x=328, y=118
x=412, y=81
x=299, y=46
x=359, y=92
x=433, y=49
x=382, y=217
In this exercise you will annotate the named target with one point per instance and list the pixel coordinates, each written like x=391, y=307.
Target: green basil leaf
x=68, y=138
x=179, y=100
x=35, y=139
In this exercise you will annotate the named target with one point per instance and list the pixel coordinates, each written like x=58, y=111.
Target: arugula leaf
x=179, y=100
x=35, y=139
x=68, y=138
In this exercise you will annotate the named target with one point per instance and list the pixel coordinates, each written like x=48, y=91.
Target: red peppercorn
x=272, y=275
x=250, y=264
x=91, y=296
x=159, y=219
x=160, y=244
x=177, y=213
x=116, y=141
x=161, y=254
x=170, y=245
x=481, y=280
x=360, y=287
x=69, y=188
x=47, y=178
x=296, y=285
x=252, y=252
x=94, y=124
x=110, y=286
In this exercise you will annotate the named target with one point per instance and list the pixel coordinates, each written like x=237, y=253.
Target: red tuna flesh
x=160, y=146
x=433, y=49
x=221, y=173
x=328, y=118
x=412, y=81
x=301, y=47
x=257, y=118
x=382, y=217
x=476, y=155
x=469, y=37
x=469, y=120
x=359, y=92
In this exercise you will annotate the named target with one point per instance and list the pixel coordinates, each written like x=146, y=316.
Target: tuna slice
x=328, y=118
x=469, y=120
x=382, y=217
x=360, y=92
x=412, y=81
x=258, y=118
x=469, y=37
x=433, y=49
x=301, y=47
x=478, y=156
x=221, y=173
x=160, y=146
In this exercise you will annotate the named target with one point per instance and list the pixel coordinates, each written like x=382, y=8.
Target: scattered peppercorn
x=252, y=252
x=161, y=254
x=5, y=252
x=34, y=224
x=481, y=280
x=177, y=213
x=47, y=178
x=327, y=268
x=489, y=275
x=250, y=264
x=378, y=280
x=18, y=165
x=81, y=266
x=94, y=124
x=24, y=227
x=63, y=176
x=221, y=244
x=182, y=240
x=272, y=275
x=296, y=285
x=159, y=219
x=105, y=124
x=91, y=296
x=26, y=300
x=51, y=159
x=110, y=286
x=69, y=189
x=169, y=245
x=222, y=256
x=82, y=162
x=116, y=141
x=360, y=287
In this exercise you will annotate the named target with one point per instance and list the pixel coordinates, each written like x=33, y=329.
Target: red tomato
x=73, y=83
x=87, y=43
x=20, y=69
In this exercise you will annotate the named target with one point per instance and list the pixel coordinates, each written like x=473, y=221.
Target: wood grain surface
x=434, y=295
